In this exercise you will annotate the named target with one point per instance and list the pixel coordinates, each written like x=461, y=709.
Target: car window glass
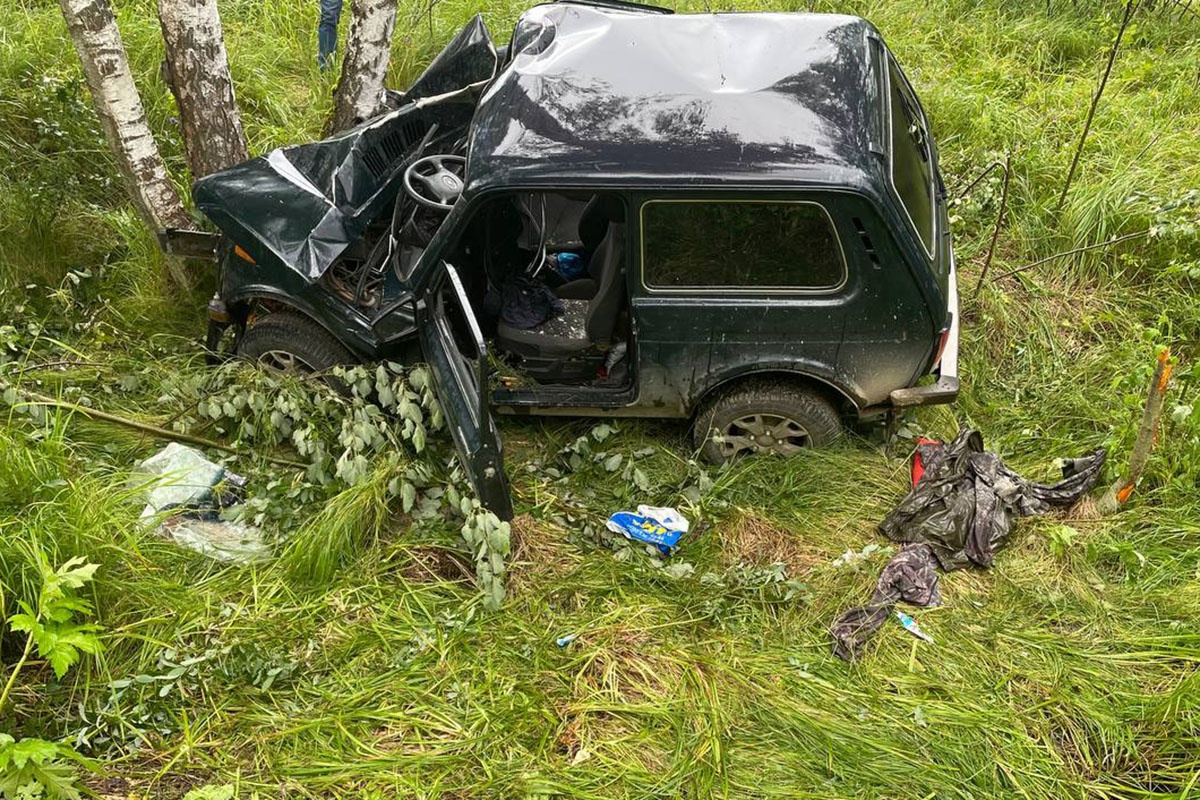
x=755, y=245
x=912, y=172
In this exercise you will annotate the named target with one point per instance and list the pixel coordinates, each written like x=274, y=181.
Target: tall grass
x=1066, y=671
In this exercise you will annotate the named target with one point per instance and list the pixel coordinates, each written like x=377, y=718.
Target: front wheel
x=765, y=417
x=292, y=343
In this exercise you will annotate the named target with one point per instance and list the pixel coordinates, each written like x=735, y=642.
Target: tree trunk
x=198, y=69
x=368, y=48
x=94, y=30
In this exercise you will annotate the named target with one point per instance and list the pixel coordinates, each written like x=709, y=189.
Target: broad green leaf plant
x=34, y=768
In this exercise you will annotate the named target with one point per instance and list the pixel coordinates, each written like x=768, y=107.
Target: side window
x=739, y=245
x=912, y=172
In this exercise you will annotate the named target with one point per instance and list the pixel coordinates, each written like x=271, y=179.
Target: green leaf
x=641, y=481
x=386, y=397
x=61, y=658
x=211, y=792
x=603, y=431
x=76, y=576
x=37, y=751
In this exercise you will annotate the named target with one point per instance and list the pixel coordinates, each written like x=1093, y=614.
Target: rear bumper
x=945, y=390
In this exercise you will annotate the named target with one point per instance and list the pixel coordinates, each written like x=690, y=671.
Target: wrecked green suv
x=731, y=218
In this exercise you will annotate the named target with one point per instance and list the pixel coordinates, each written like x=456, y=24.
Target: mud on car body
x=751, y=203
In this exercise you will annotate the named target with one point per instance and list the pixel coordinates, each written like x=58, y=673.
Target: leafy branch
x=34, y=767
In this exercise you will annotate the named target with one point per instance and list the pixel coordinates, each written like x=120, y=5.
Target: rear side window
x=912, y=170
x=739, y=245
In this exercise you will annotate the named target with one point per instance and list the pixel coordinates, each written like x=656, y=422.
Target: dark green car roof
x=597, y=95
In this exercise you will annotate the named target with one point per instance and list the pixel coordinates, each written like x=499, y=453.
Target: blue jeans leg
x=331, y=11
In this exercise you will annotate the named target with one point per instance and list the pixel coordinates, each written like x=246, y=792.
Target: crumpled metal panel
x=604, y=92
x=303, y=205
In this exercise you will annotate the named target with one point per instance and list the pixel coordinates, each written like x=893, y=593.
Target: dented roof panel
x=602, y=94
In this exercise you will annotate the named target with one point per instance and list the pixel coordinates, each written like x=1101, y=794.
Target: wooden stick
x=1085, y=248
x=986, y=171
x=35, y=399
x=1087, y=125
x=987, y=262
x=56, y=364
x=1119, y=492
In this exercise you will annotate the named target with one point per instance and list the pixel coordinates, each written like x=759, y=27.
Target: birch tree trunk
x=368, y=49
x=198, y=69
x=98, y=42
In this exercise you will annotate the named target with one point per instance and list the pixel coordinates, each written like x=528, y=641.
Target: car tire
x=292, y=343
x=765, y=416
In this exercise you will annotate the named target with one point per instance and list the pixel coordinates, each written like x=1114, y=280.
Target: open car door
x=457, y=355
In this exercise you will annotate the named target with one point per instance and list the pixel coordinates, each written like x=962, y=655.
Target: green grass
x=1066, y=671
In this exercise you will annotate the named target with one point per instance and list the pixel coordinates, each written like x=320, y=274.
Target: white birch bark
x=198, y=71
x=119, y=106
x=364, y=66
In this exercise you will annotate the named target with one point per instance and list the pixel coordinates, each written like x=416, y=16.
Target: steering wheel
x=432, y=182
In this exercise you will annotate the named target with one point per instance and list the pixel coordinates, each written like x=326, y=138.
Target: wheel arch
x=242, y=304
x=835, y=394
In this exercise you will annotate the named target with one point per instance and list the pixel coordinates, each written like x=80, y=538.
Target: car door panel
x=446, y=325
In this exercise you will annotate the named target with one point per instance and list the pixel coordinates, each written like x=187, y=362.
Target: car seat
x=601, y=212
x=584, y=323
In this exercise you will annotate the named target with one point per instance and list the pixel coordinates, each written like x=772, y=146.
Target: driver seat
x=583, y=323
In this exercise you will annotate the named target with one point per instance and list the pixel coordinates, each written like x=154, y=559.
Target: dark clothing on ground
x=958, y=514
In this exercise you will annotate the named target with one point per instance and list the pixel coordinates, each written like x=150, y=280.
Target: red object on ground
x=918, y=466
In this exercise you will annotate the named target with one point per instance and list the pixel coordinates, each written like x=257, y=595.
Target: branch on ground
x=1120, y=491
x=28, y=398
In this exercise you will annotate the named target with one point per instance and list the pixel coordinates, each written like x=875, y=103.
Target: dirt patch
x=426, y=563
x=108, y=787
x=628, y=666
x=171, y=786
x=1085, y=510
x=750, y=539
x=618, y=737
x=539, y=551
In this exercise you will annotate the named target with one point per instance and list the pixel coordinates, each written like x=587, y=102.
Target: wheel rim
x=764, y=433
x=283, y=361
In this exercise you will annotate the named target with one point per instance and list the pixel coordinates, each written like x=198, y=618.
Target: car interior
x=545, y=274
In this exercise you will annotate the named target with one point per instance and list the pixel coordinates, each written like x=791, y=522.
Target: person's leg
x=331, y=10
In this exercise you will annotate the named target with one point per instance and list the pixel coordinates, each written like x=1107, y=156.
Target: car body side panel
x=863, y=339
x=671, y=347
x=891, y=328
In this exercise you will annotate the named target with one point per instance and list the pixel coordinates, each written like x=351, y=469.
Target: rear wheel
x=765, y=417
x=292, y=343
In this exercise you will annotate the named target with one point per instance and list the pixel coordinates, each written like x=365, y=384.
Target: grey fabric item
x=603, y=307
x=563, y=335
x=601, y=211
x=910, y=576
x=580, y=289
x=958, y=514
x=570, y=324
